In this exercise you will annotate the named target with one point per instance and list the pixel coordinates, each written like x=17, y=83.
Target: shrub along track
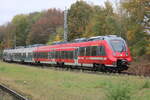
x=14, y=95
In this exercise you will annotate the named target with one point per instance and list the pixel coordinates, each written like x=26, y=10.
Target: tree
x=137, y=37
x=21, y=29
x=104, y=21
x=46, y=26
x=2, y=31
x=8, y=36
x=79, y=16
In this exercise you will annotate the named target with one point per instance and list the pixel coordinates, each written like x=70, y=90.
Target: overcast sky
x=10, y=8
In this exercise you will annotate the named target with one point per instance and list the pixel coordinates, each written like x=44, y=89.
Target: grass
x=47, y=84
x=121, y=91
x=146, y=84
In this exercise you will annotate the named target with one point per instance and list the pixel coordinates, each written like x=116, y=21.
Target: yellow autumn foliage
x=58, y=38
x=148, y=49
x=130, y=34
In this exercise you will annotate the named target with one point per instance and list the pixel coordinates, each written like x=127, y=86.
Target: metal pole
x=15, y=41
x=65, y=25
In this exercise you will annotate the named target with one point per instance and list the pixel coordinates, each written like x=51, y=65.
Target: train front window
x=118, y=45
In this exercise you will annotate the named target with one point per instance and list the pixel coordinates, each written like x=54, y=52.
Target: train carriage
x=107, y=52
x=7, y=55
x=100, y=53
x=28, y=55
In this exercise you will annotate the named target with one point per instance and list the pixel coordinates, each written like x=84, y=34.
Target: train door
x=76, y=53
x=81, y=55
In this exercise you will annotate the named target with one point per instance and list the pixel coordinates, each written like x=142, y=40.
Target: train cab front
x=121, y=54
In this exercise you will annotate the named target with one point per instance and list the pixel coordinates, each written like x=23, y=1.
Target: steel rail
x=12, y=92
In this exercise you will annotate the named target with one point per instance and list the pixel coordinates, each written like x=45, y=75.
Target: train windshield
x=118, y=45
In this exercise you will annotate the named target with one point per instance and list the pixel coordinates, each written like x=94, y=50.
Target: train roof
x=76, y=43
x=67, y=46
x=79, y=42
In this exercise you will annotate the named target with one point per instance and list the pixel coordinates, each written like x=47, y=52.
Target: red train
x=100, y=53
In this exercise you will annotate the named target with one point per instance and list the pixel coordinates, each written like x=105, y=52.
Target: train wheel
x=102, y=68
x=95, y=67
x=62, y=64
x=99, y=67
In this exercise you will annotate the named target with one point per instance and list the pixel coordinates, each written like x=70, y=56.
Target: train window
x=102, y=51
x=30, y=55
x=88, y=51
x=94, y=50
x=38, y=55
x=63, y=52
x=24, y=55
x=52, y=54
x=65, y=55
x=59, y=55
x=75, y=53
x=43, y=55
x=46, y=55
x=70, y=54
x=81, y=51
x=35, y=55
x=56, y=54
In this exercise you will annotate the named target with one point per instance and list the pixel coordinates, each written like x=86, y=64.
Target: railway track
x=91, y=71
x=79, y=69
x=13, y=93
x=83, y=70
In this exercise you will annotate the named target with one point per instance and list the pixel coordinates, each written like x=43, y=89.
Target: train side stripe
x=93, y=58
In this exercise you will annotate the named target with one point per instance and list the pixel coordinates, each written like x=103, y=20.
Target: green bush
x=146, y=84
x=119, y=91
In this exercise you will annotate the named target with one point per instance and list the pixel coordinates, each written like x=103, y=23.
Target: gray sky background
x=10, y=8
